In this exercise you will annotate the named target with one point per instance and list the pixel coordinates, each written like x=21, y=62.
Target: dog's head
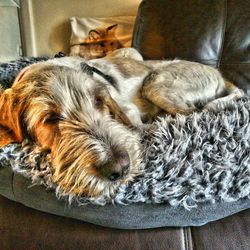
x=72, y=115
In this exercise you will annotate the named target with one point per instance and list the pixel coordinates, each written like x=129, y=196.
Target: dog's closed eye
x=52, y=118
x=98, y=102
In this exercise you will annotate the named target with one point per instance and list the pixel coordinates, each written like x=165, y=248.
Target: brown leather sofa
x=214, y=32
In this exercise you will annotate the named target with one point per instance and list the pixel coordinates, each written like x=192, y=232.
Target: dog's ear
x=10, y=118
x=11, y=110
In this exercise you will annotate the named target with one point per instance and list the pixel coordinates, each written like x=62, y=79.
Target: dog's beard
x=80, y=149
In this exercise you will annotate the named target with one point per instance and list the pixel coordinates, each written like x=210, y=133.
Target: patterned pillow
x=96, y=37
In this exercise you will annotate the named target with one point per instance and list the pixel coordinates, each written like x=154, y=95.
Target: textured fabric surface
x=8, y=71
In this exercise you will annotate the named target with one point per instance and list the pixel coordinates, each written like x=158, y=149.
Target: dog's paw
x=186, y=112
x=213, y=106
x=146, y=128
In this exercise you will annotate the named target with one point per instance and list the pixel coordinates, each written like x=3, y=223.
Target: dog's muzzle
x=116, y=167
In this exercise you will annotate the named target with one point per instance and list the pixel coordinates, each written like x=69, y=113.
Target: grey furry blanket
x=189, y=160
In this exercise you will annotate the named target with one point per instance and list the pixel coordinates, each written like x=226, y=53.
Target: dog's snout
x=117, y=167
x=122, y=159
x=120, y=168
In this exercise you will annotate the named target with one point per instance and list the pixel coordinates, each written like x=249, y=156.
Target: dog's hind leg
x=158, y=91
x=232, y=93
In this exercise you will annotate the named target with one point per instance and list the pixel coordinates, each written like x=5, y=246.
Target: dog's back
x=137, y=86
x=187, y=85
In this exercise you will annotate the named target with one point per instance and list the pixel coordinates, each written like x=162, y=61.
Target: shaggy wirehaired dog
x=85, y=112
x=61, y=109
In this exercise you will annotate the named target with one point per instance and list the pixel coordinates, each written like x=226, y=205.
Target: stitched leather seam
x=12, y=185
x=236, y=63
x=187, y=238
x=135, y=35
x=223, y=34
x=138, y=25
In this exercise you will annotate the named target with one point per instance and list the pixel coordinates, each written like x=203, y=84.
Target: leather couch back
x=214, y=32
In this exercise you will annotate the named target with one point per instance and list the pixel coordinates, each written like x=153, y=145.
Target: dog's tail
x=232, y=93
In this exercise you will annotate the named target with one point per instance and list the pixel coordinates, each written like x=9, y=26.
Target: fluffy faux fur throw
x=189, y=160
x=8, y=71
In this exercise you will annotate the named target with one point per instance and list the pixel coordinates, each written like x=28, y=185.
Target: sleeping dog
x=84, y=112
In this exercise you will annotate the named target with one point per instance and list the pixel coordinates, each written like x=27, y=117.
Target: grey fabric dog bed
x=197, y=170
x=134, y=216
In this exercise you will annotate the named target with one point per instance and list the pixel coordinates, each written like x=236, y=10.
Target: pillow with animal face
x=97, y=37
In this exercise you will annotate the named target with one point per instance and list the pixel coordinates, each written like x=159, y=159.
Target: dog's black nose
x=116, y=168
x=114, y=176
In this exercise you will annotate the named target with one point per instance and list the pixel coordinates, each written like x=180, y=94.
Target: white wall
x=9, y=31
x=45, y=23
